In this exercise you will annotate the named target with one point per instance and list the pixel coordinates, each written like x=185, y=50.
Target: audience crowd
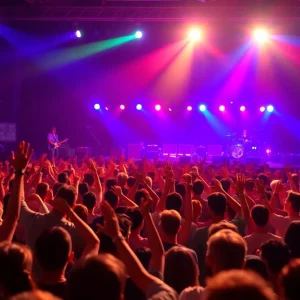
x=89, y=229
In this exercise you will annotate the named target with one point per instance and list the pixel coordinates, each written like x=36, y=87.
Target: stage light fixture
x=139, y=106
x=78, y=34
x=195, y=34
x=122, y=106
x=270, y=108
x=222, y=108
x=242, y=108
x=97, y=106
x=189, y=108
x=157, y=107
x=261, y=35
x=262, y=109
x=138, y=34
x=268, y=151
x=202, y=107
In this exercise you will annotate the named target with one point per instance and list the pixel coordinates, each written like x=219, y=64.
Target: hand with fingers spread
x=117, y=190
x=240, y=183
x=21, y=158
x=111, y=224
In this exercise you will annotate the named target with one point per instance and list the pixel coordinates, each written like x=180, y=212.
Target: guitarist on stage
x=54, y=143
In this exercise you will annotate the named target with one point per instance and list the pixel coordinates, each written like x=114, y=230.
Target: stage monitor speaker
x=134, y=151
x=214, y=150
x=169, y=149
x=185, y=150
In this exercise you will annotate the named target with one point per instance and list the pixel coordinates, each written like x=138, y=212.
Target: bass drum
x=237, y=151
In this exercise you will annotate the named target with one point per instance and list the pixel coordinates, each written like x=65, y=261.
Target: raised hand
x=169, y=171
x=260, y=186
x=21, y=158
x=278, y=187
x=111, y=224
x=240, y=183
x=117, y=190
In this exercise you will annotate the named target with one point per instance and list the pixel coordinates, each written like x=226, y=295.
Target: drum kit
x=238, y=147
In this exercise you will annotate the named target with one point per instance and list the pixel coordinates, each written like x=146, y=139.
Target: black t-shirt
x=60, y=290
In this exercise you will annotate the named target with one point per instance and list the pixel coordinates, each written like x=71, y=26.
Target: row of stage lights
x=261, y=35
x=202, y=108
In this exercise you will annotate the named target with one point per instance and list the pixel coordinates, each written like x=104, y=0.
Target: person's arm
x=162, y=201
x=153, y=195
x=262, y=193
x=155, y=244
x=20, y=161
x=98, y=185
x=292, y=182
x=184, y=233
x=240, y=187
x=2, y=190
x=92, y=242
x=134, y=268
x=117, y=190
x=231, y=201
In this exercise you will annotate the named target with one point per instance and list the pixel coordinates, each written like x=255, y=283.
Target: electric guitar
x=58, y=144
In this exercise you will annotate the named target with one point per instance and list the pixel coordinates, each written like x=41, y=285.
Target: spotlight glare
x=270, y=108
x=157, y=107
x=138, y=34
x=242, y=108
x=261, y=35
x=202, y=107
x=106, y=108
x=262, y=109
x=139, y=106
x=222, y=108
x=97, y=106
x=189, y=108
x=170, y=109
x=78, y=33
x=268, y=151
x=195, y=34
x=122, y=106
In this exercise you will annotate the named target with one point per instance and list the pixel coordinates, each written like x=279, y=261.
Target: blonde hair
x=227, y=250
x=170, y=221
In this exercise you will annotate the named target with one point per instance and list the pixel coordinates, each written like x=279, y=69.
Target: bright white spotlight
x=157, y=107
x=78, y=33
x=195, y=34
x=138, y=34
x=170, y=109
x=270, y=108
x=222, y=108
x=189, y=108
x=262, y=109
x=242, y=108
x=139, y=106
x=97, y=106
x=202, y=107
x=122, y=106
x=261, y=35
